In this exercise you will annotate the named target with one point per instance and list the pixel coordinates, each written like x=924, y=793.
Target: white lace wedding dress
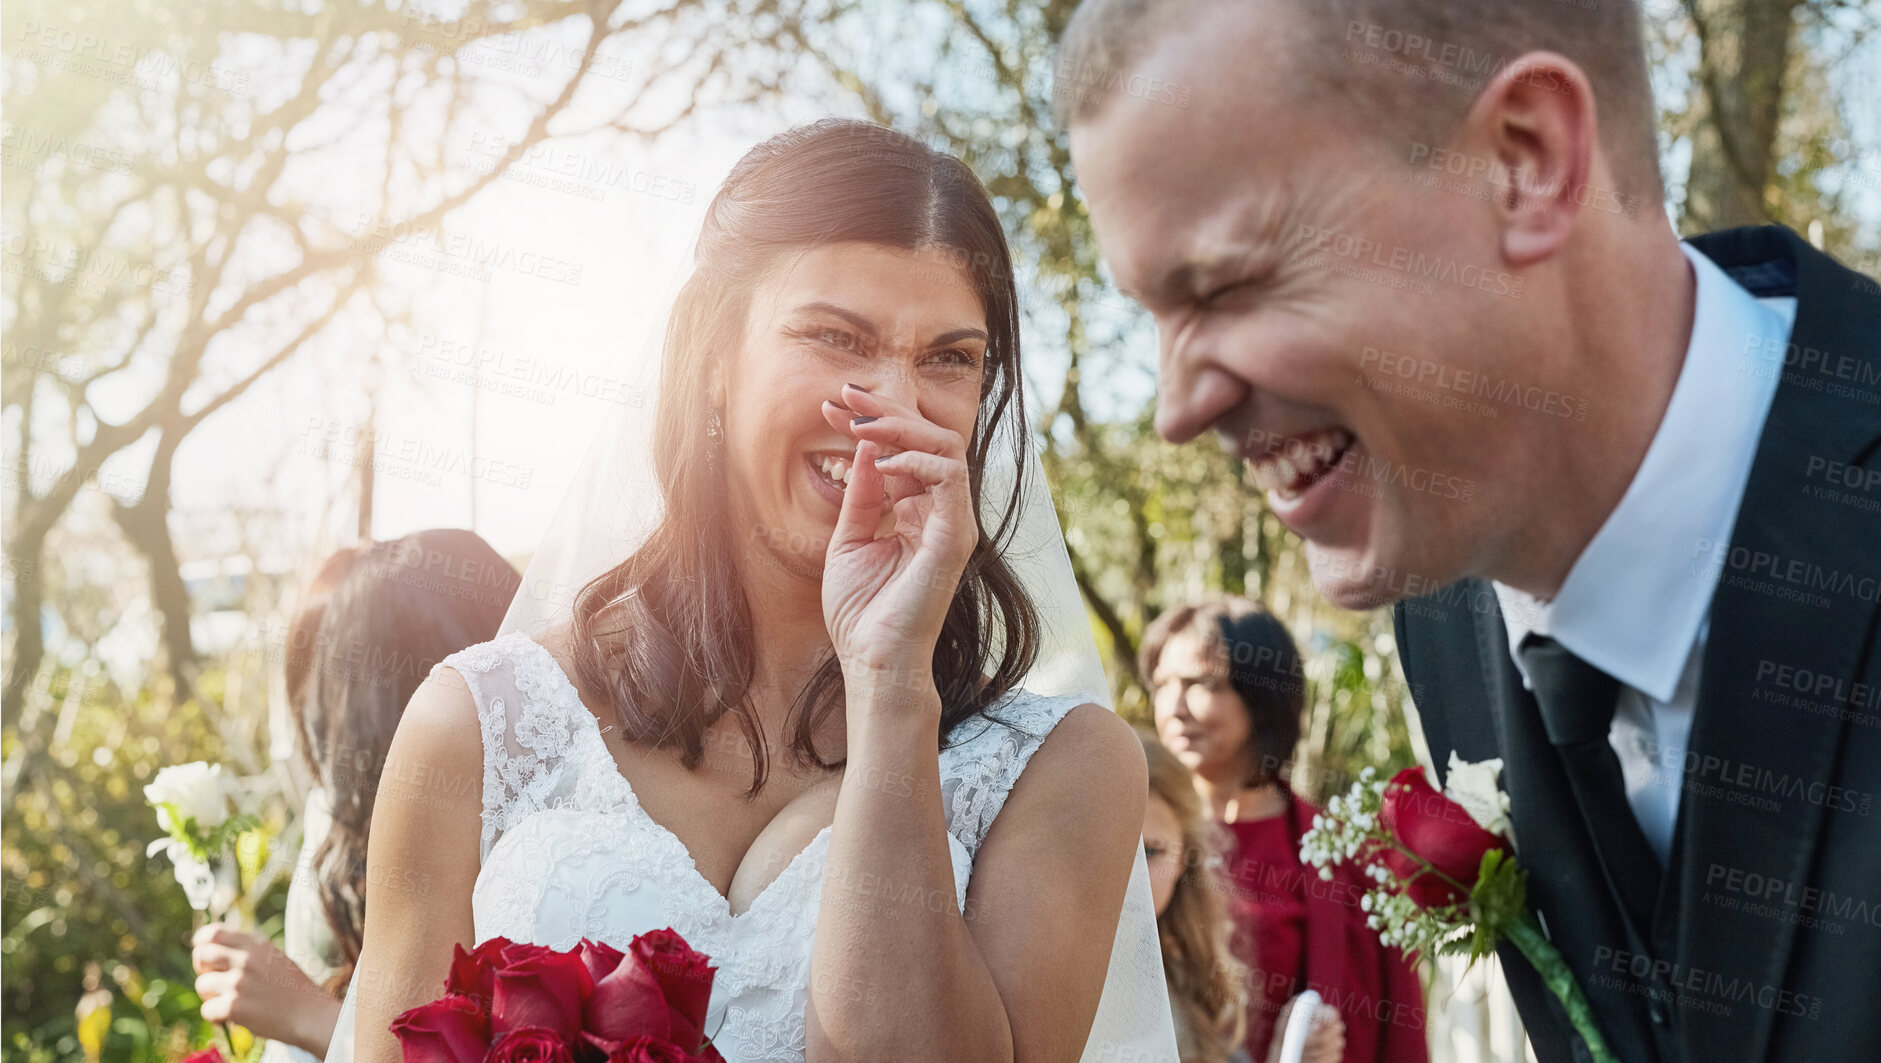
x=568, y=853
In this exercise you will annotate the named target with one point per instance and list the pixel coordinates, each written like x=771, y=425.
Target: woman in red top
x=1229, y=691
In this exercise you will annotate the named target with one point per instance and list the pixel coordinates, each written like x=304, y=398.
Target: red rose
x=473, y=973
x=531, y=1044
x=537, y=986
x=653, y=1050
x=1441, y=832
x=451, y=1030
x=600, y=957
x=212, y=1054
x=685, y=977
x=628, y=1003
x=659, y=990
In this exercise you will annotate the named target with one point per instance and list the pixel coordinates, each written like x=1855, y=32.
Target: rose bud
x=685, y=978
x=660, y=990
x=531, y=1044
x=473, y=973
x=450, y=1030
x=601, y=958
x=629, y=1003
x=538, y=986
x=1438, y=830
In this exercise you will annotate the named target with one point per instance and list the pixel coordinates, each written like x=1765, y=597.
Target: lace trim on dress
x=986, y=755
x=526, y=730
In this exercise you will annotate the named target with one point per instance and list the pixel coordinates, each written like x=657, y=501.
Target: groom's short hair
x=1404, y=67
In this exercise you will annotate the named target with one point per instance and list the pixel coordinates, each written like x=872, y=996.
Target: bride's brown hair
x=665, y=636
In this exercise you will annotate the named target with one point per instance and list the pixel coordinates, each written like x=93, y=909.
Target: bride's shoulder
x=1055, y=721
x=448, y=705
x=442, y=715
x=1077, y=804
x=1091, y=751
x=1058, y=749
x=435, y=763
x=428, y=809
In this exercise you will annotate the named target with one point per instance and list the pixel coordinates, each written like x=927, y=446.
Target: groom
x=1409, y=260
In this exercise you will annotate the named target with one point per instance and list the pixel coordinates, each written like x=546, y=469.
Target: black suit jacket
x=1766, y=941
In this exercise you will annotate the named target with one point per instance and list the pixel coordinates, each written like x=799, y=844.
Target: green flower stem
x=1546, y=959
x=1428, y=867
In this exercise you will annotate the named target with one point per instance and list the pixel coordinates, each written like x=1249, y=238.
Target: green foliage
x=1499, y=900
x=86, y=911
x=212, y=845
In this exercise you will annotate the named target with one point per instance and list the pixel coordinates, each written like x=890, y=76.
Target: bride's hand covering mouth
x=902, y=539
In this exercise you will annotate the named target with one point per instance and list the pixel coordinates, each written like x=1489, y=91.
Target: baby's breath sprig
x=1352, y=829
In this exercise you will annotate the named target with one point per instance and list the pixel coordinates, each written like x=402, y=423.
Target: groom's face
x=1294, y=266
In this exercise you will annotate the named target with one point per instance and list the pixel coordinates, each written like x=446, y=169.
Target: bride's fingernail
x=863, y=420
x=858, y=387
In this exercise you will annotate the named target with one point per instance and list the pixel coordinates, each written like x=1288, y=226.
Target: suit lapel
x=1796, y=594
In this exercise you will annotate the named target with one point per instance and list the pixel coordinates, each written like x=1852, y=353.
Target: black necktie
x=1577, y=702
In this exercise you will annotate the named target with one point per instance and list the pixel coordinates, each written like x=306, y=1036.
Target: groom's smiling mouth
x=1287, y=466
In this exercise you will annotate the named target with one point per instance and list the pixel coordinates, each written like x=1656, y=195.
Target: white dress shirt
x=1637, y=602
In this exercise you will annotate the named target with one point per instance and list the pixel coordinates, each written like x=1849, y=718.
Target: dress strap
x=527, y=731
x=986, y=754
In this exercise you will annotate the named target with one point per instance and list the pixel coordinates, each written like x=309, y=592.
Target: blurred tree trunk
x=1743, y=54
x=146, y=524
x=25, y=558
x=183, y=214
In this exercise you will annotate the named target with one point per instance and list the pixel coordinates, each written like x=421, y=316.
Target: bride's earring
x=714, y=436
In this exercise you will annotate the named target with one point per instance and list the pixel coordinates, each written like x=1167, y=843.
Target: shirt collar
x=1636, y=599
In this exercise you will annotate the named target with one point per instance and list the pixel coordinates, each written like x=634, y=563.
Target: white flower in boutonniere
x=1474, y=786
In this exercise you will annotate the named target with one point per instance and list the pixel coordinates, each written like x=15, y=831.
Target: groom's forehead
x=1168, y=51
x=1240, y=122
x=1171, y=206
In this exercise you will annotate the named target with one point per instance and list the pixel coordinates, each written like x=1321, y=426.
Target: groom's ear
x=1535, y=123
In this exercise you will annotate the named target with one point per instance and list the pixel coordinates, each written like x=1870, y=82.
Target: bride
x=797, y=717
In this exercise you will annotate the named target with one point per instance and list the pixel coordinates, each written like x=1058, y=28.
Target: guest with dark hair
x=1229, y=690
x=369, y=626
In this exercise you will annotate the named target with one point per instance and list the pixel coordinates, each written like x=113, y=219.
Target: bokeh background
x=281, y=275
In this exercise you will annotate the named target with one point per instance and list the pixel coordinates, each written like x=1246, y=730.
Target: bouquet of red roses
x=1445, y=876
x=506, y=1002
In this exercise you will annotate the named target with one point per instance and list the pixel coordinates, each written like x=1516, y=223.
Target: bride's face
x=907, y=326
